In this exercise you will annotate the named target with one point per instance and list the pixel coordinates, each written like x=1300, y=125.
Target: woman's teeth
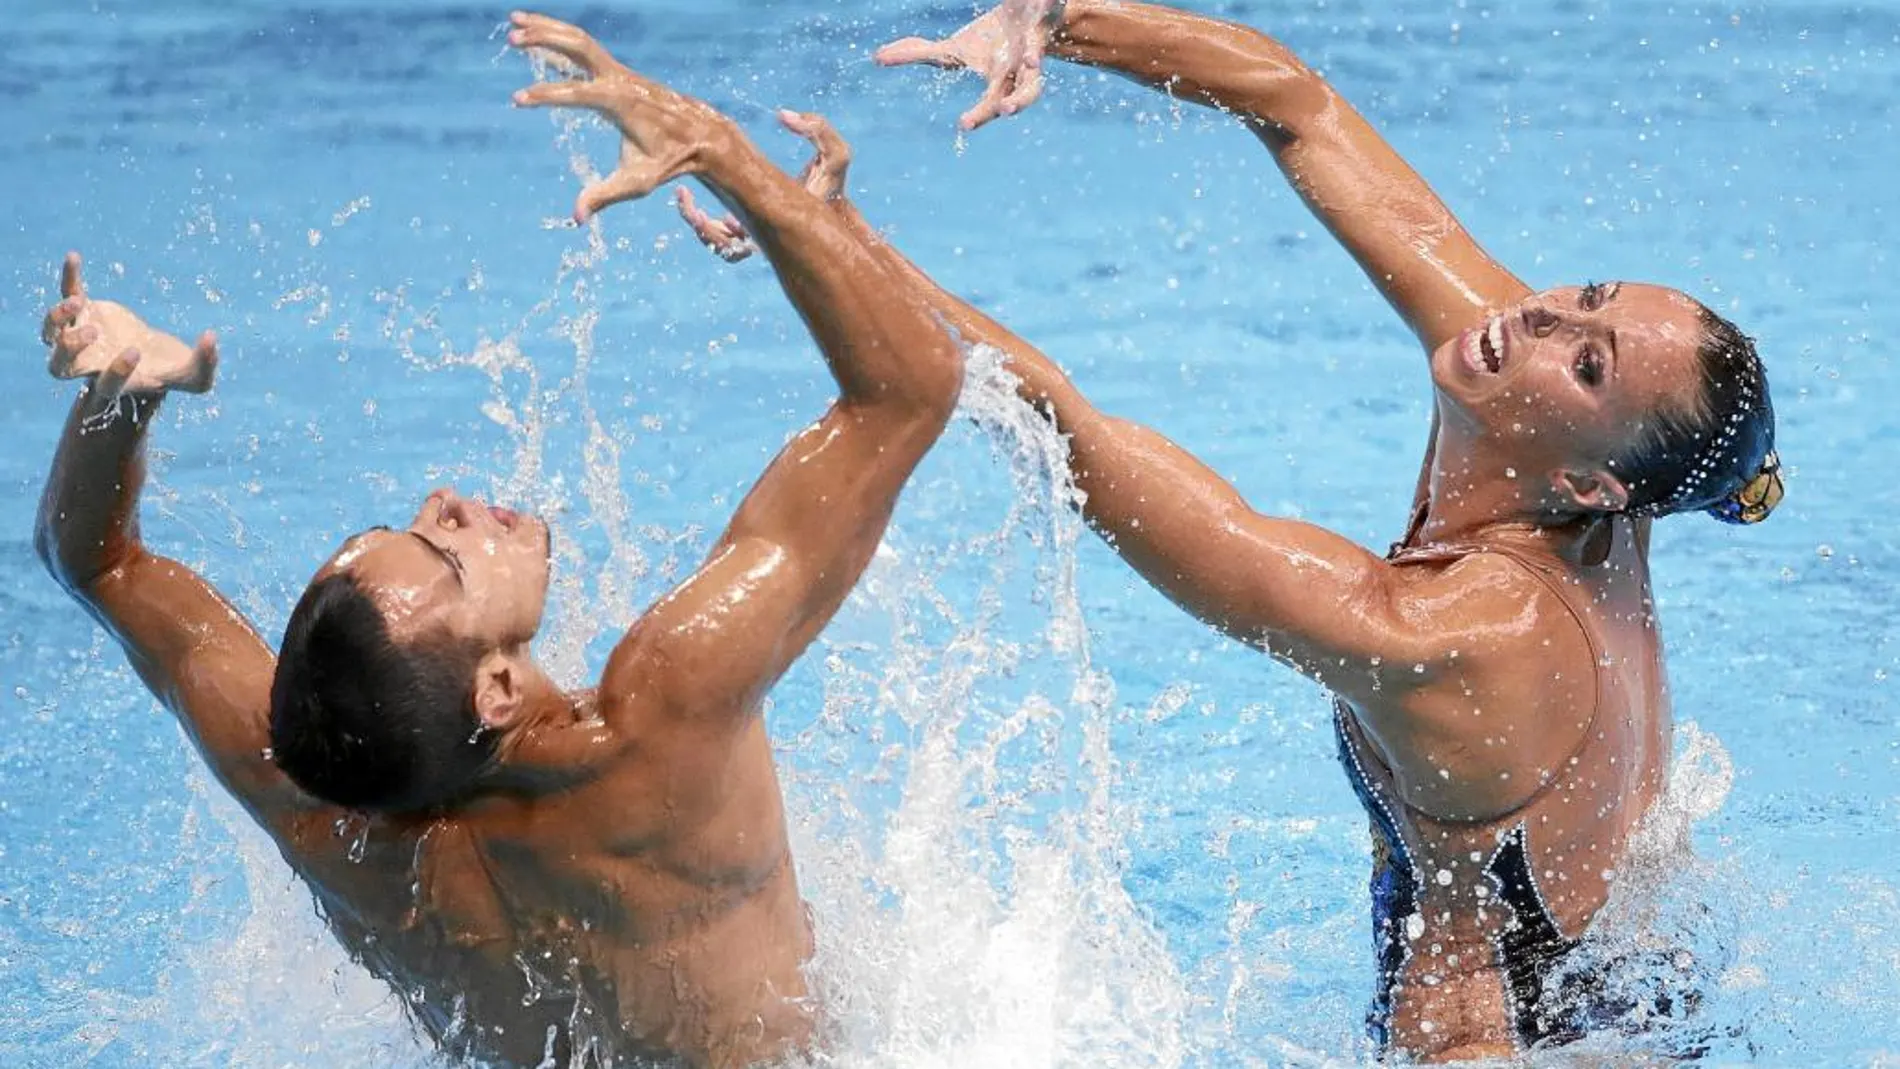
x=1494, y=337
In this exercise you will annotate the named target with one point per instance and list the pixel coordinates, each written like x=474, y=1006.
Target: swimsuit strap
x=1441, y=553
x=1412, y=527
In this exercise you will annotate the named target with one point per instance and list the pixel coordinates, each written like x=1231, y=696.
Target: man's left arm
x=804, y=534
x=191, y=647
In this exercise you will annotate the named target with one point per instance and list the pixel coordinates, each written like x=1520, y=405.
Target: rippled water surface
x=1044, y=818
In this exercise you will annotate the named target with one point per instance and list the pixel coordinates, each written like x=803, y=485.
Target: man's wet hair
x=363, y=722
x=1697, y=458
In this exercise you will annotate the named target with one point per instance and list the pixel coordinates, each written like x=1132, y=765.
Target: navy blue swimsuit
x=1554, y=996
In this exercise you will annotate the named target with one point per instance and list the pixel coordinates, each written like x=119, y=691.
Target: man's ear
x=499, y=695
x=1590, y=490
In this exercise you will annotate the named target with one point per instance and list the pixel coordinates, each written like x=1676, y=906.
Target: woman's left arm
x=1403, y=236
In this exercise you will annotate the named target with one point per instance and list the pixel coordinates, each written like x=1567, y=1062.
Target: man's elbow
x=1288, y=104
x=930, y=395
x=56, y=557
x=78, y=573
x=46, y=548
x=943, y=387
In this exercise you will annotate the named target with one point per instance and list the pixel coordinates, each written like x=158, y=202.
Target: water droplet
x=1443, y=877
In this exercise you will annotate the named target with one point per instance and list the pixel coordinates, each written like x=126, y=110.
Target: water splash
x=983, y=921
x=1667, y=944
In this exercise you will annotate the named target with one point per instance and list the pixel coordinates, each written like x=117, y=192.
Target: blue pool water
x=1044, y=818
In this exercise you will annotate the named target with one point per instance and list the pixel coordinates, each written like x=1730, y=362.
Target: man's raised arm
x=191, y=647
x=804, y=534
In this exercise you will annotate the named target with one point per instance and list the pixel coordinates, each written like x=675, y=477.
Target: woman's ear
x=1590, y=491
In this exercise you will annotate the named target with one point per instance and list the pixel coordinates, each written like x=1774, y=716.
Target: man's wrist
x=136, y=409
x=724, y=153
x=1069, y=15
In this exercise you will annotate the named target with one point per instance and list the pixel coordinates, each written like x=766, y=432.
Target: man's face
x=476, y=572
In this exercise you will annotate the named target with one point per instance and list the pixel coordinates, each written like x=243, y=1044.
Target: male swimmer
x=1502, y=707
x=547, y=876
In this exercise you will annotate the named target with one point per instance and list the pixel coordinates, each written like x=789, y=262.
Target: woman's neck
x=1477, y=496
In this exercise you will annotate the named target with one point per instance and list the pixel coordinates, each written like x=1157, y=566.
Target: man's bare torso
x=535, y=925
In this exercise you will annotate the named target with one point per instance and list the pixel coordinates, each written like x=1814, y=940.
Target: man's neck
x=533, y=756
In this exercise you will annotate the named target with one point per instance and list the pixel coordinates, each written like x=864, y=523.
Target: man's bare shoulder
x=694, y=656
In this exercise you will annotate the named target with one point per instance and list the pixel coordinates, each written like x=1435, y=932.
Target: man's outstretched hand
x=664, y=134
x=118, y=352
x=1005, y=46
x=823, y=178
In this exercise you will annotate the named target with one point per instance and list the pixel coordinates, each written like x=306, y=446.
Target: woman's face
x=1568, y=377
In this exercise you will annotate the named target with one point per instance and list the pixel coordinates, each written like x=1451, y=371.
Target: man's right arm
x=190, y=646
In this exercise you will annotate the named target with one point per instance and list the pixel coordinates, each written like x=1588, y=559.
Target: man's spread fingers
x=204, y=365
x=111, y=382
x=67, y=347
x=917, y=50
x=62, y=316
x=1028, y=88
x=622, y=185
x=990, y=106
x=561, y=95
x=569, y=42
x=70, y=282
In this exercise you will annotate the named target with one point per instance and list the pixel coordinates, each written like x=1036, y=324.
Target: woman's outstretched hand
x=1005, y=46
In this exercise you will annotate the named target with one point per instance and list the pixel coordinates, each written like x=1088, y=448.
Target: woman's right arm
x=1408, y=243
x=1308, y=596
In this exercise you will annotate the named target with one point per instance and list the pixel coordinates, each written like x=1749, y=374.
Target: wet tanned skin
x=628, y=850
x=1470, y=681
